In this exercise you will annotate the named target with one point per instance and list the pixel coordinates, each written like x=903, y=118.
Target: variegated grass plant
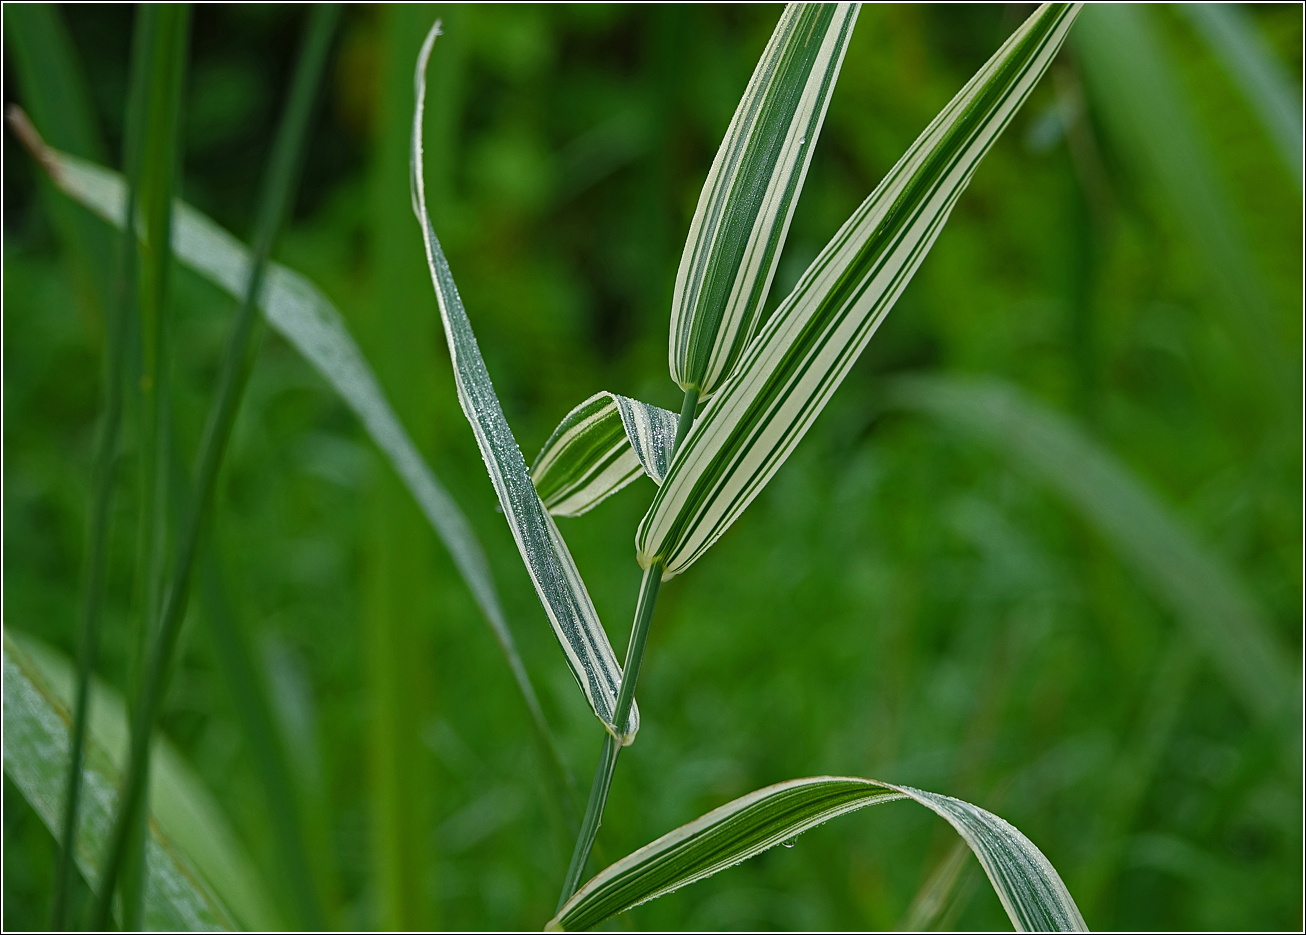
x=752, y=385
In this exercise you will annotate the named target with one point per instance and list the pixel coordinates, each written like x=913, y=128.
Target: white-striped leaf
x=744, y=210
x=793, y=366
x=200, y=877
x=303, y=315
x=601, y=446
x=545, y=554
x=1027, y=884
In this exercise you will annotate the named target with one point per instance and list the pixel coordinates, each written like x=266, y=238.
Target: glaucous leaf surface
x=599, y=447
x=798, y=359
x=1027, y=884
x=199, y=876
x=303, y=315
x=552, y=569
x=748, y=200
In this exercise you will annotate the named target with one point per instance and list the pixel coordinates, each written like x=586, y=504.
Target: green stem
x=589, y=829
x=106, y=463
x=686, y=418
x=236, y=365
x=648, y=596
x=117, y=316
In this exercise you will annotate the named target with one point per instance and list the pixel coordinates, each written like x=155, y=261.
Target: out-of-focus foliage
x=901, y=602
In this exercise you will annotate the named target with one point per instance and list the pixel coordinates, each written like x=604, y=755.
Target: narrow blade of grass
x=602, y=445
x=1251, y=63
x=153, y=132
x=200, y=877
x=1027, y=884
x=234, y=373
x=748, y=200
x=545, y=554
x=1202, y=591
x=299, y=311
x=796, y=362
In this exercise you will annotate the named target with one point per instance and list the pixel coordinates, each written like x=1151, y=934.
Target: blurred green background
x=903, y=602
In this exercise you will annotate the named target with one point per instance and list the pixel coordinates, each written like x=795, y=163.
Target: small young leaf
x=599, y=447
x=790, y=370
x=1027, y=884
x=543, y=551
x=199, y=875
x=748, y=200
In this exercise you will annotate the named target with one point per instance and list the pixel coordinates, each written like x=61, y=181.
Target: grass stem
x=236, y=365
x=589, y=828
x=686, y=418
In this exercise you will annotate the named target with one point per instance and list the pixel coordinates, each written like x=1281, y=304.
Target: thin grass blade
x=1206, y=595
x=602, y=445
x=793, y=366
x=743, y=214
x=233, y=375
x=543, y=551
x=297, y=309
x=1251, y=63
x=1027, y=884
x=200, y=877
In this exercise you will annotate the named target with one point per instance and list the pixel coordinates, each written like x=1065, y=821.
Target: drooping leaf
x=793, y=366
x=303, y=315
x=599, y=447
x=1027, y=884
x=1203, y=592
x=199, y=875
x=748, y=200
x=548, y=561
x=1251, y=63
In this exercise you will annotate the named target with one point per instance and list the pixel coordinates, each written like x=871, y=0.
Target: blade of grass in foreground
x=46, y=55
x=798, y=359
x=1202, y=591
x=234, y=374
x=602, y=445
x=1027, y=884
x=200, y=877
x=299, y=311
x=748, y=199
x=158, y=70
x=543, y=551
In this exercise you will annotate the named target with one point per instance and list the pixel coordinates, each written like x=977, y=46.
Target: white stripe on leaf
x=748, y=199
x=793, y=366
x=1027, y=884
x=553, y=572
x=599, y=447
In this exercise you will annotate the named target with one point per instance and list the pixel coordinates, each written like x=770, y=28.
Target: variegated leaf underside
x=602, y=445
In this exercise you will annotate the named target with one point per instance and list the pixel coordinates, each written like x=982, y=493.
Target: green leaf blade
x=199, y=877
x=1028, y=886
x=553, y=572
x=298, y=310
x=605, y=443
x=798, y=359
x=743, y=213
